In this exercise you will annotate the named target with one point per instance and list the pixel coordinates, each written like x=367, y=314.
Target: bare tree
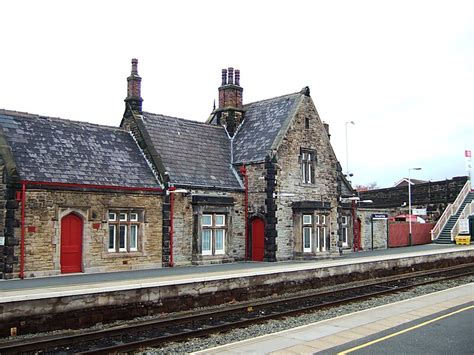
x=370, y=186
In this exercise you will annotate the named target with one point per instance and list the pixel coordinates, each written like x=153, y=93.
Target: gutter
x=98, y=187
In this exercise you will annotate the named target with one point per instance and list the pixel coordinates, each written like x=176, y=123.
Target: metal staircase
x=451, y=226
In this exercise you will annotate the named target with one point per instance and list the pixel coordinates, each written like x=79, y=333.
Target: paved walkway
x=79, y=284
x=190, y=271
x=327, y=334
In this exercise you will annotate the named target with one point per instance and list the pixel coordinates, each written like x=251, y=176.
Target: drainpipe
x=22, y=242
x=243, y=171
x=171, y=192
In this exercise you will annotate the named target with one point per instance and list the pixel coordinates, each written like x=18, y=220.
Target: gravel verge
x=197, y=344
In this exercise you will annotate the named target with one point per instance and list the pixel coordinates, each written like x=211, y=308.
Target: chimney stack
x=230, y=92
x=230, y=111
x=134, y=82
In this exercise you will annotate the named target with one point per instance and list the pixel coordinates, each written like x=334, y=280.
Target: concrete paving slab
x=332, y=332
x=313, y=332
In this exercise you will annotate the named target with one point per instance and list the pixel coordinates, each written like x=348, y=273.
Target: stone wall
x=44, y=210
x=187, y=230
x=433, y=195
x=290, y=187
x=373, y=234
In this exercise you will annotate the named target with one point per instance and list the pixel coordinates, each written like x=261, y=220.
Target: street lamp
x=347, y=149
x=409, y=203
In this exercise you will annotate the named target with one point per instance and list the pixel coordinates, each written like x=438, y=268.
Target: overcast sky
x=401, y=70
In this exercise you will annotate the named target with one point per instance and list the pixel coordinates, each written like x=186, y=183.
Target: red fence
x=398, y=234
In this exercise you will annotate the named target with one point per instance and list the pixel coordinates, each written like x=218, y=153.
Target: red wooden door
x=71, y=244
x=258, y=239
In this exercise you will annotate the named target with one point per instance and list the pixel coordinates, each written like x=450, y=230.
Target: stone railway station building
x=257, y=181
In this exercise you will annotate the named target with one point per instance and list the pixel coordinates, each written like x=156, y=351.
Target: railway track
x=149, y=333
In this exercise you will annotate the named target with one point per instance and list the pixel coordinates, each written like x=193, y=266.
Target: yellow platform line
x=403, y=331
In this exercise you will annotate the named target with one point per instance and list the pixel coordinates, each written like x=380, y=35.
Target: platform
x=81, y=300
x=75, y=284
x=360, y=330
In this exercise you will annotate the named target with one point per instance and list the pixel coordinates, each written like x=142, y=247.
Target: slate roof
x=49, y=149
x=264, y=120
x=194, y=153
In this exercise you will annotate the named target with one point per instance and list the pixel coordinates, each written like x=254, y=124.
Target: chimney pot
x=134, y=100
x=224, y=77
x=134, y=66
x=237, y=77
x=230, y=76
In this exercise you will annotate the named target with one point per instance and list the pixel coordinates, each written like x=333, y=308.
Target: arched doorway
x=258, y=239
x=71, y=243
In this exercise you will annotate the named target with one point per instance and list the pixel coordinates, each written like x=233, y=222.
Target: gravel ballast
x=197, y=344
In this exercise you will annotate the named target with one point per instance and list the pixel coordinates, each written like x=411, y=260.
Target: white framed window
x=206, y=220
x=207, y=242
x=323, y=219
x=307, y=233
x=134, y=237
x=112, y=237
x=318, y=236
x=219, y=241
x=344, y=231
x=213, y=234
x=323, y=238
x=308, y=162
x=219, y=220
x=124, y=231
x=345, y=242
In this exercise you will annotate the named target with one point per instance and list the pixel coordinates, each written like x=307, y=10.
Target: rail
x=450, y=210
x=466, y=212
x=130, y=337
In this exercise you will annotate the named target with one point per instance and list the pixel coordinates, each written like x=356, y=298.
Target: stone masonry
x=290, y=187
x=45, y=209
x=186, y=221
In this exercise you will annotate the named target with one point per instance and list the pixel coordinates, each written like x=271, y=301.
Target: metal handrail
x=468, y=209
x=450, y=210
x=436, y=231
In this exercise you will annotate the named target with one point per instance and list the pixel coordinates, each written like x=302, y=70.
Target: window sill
x=122, y=254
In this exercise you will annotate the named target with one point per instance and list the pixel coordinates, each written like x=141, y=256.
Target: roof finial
x=305, y=91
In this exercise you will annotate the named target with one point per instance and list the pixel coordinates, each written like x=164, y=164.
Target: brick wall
x=44, y=210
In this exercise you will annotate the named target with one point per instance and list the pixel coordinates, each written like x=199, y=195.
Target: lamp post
x=347, y=149
x=409, y=203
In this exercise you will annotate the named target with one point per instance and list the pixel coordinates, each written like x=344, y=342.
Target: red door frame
x=257, y=227
x=72, y=227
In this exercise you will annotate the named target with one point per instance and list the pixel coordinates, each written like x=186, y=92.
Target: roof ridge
x=273, y=98
x=184, y=120
x=28, y=115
